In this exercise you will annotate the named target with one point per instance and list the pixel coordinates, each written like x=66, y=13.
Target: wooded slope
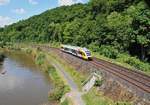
x=119, y=25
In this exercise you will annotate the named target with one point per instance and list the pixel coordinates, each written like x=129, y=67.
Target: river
x=23, y=83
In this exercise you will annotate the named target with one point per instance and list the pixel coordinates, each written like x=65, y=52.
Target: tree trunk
x=142, y=53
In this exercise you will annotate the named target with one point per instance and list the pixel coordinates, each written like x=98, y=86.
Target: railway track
x=135, y=78
x=123, y=69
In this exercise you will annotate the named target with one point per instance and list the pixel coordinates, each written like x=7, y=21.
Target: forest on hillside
x=119, y=26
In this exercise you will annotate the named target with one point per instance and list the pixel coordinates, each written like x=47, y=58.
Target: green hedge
x=106, y=50
x=60, y=87
x=40, y=58
x=133, y=61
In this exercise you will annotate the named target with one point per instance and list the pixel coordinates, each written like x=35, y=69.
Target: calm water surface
x=23, y=83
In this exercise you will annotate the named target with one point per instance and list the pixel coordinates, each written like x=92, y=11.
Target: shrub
x=39, y=49
x=108, y=51
x=133, y=61
x=58, y=92
x=40, y=59
x=2, y=44
x=60, y=87
x=98, y=83
x=55, y=44
x=94, y=47
x=122, y=103
x=29, y=51
x=66, y=102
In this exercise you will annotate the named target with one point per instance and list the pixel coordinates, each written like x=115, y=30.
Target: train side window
x=66, y=49
x=73, y=51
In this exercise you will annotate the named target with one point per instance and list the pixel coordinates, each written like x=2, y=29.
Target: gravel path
x=75, y=94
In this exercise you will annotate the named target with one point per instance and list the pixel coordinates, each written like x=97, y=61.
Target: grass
x=67, y=102
x=97, y=55
x=127, y=61
x=77, y=77
x=40, y=58
x=94, y=97
x=60, y=88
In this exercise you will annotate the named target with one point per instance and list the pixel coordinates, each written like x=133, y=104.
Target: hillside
x=119, y=26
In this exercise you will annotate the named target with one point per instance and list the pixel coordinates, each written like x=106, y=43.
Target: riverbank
x=41, y=59
x=23, y=82
x=73, y=96
x=2, y=56
x=57, y=71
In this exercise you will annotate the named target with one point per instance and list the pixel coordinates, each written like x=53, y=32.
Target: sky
x=14, y=10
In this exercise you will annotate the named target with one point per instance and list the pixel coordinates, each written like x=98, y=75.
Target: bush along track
x=111, y=54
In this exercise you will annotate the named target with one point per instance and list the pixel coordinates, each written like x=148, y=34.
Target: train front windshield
x=88, y=53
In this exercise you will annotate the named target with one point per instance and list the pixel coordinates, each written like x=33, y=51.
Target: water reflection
x=24, y=83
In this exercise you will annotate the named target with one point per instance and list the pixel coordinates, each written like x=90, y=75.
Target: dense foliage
x=123, y=24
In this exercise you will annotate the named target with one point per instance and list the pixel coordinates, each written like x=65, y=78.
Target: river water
x=23, y=82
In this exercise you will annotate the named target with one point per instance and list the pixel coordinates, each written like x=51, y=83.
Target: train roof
x=71, y=47
x=75, y=47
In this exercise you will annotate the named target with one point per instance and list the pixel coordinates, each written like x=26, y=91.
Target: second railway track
x=135, y=78
x=133, y=72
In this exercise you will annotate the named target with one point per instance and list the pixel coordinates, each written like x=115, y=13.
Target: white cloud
x=68, y=2
x=3, y=2
x=33, y=2
x=5, y=21
x=19, y=11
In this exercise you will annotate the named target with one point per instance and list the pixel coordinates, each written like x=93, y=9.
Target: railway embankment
x=114, y=85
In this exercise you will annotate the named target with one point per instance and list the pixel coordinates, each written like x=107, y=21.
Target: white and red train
x=83, y=53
